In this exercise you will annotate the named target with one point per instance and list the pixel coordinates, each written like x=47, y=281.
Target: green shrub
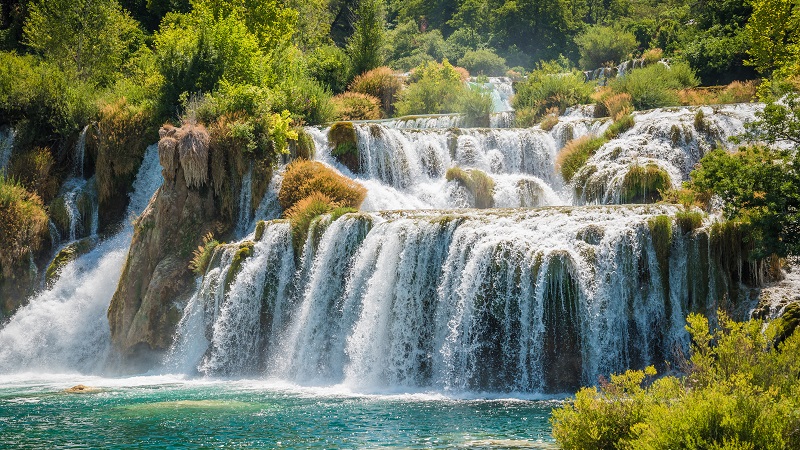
x=330, y=65
x=480, y=185
x=356, y=106
x=574, y=155
x=477, y=106
x=342, y=138
x=435, y=89
x=23, y=224
x=303, y=177
x=380, y=83
x=552, y=85
x=738, y=391
x=601, y=46
x=483, y=62
x=655, y=86
x=644, y=184
x=620, y=126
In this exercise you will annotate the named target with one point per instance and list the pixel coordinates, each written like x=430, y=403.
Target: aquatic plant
x=574, y=155
x=644, y=184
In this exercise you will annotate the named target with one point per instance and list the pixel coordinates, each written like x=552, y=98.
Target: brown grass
x=306, y=210
x=167, y=151
x=608, y=103
x=574, y=155
x=193, y=142
x=303, y=178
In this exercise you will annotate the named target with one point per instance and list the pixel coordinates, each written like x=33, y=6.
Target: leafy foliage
x=655, y=86
x=601, y=45
x=552, y=85
x=761, y=189
x=738, y=392
x=483, y=62
x=23, y=222
x=438, y=89
x=364, y=45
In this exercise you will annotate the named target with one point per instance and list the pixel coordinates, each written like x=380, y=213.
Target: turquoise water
x=162, y=413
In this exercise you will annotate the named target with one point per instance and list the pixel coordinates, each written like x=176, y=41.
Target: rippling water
x=165, y=412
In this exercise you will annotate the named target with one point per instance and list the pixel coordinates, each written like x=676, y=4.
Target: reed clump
x=644, y=184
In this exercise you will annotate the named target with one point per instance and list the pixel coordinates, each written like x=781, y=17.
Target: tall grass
x=303, y=178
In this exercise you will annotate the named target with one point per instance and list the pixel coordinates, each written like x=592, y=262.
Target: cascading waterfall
x=245, y=200
x=536, y=300
x=64, y=328
x=501, y=91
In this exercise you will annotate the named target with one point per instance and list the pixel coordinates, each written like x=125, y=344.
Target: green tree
x=774, y=31
x=364, y=45
x=600, y=45
x=93, y=37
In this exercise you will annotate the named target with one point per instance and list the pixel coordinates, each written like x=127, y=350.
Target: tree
x=774, y=31
x=364, y=45
x=94, y=37
x=600, y=45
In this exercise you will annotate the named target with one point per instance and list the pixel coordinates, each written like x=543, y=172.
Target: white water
x=501, y=91
x=64, y=328
x=445, y=300
x=80, y=152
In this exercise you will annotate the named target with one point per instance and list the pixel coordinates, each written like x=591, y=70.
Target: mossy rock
x=260, y=227
x=480, y=185
x=344, y=142
x=661, y=236
x=591, y=234
x=689, y=221
x=644, y=184
x=787, y=323
x=65, y=256
x=245, y=251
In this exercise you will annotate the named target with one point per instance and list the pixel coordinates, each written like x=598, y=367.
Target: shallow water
x=166, y=412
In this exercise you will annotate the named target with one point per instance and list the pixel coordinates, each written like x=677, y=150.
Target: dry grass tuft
x=302, y=178
x=356, y=106
x=193, y=141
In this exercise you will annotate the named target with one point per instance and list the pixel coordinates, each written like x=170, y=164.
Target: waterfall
x=6, y=148
x=539, y=300
x=80, y=152
x=500, y=89
x=64, y=328
x=245, y=203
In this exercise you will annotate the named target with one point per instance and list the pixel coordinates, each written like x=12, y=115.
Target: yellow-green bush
x=738, y=390
x=302, y=178
x=23, y=224
x=356, y=106
x=380, y=83
x=575, y=154
x=480, y=185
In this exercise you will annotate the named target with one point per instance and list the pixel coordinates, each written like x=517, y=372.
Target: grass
x=480, y=185
x=644, y=184
x=620, y=126
x=303, y=178
x=574, y=155
x=689, y=221
x=23, y=224
x=302, y=213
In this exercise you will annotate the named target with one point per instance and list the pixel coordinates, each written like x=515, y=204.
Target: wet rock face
x=156, y=279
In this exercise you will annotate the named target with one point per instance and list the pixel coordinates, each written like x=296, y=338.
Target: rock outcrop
x=146, y=306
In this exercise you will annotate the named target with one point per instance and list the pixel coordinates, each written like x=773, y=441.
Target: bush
x=380, y=83
x=574, y=155
x=738, y=392
x=601, y=46
x=33, y=170
x=356, y=106
x=477, y=106
x=552, y=85
x=480, y=185
x=655, y=86
x=435, y=89
x=760, y=188
x=644, y=184
x=23, y=224
x=304, y=211
x=303, y=177
x=483, y=62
